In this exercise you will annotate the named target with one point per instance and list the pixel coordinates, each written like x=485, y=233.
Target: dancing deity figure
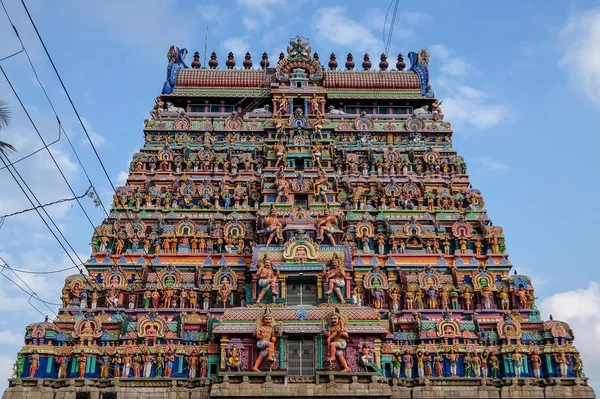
x=267, y=278
x=336, y=278
x=272, y=226
x=328, y=226
x=336, y=339
x=266, y=336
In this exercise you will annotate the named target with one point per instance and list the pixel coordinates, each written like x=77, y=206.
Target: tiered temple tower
x=298, y=231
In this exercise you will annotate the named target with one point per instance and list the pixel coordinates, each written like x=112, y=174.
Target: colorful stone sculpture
x=331, y=201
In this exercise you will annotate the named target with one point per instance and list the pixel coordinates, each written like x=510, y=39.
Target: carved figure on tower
x=267, y=279
x=327, y=226
x=336, y=278
x=337, y=336
x=266, y=336
x=272, y=226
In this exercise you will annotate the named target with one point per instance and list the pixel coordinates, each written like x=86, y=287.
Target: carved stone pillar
x=377, y=344
x=224, y=342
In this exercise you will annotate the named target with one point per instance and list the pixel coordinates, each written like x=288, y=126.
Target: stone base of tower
x=327, y=385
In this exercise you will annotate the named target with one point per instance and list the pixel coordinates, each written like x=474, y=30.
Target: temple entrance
x=301, y=291
x=301, y=356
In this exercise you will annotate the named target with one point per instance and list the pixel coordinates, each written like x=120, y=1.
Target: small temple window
x=109, y=395
x=83, y=395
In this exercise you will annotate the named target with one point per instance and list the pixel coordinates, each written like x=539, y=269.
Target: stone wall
x=334, y=385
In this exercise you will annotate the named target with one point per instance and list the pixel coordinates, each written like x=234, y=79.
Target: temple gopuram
x=302, y=231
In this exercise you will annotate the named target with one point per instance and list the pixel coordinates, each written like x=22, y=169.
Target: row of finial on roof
x=213, y=63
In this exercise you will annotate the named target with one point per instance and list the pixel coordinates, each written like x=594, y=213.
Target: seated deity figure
x=267, y=278
x=336, y=339
x=336, y=278
x=265, y=335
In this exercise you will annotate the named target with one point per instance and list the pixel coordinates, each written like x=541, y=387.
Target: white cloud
x=38, y=171
x=96, y=137
x=335, y=26
x=7, y=337
x=581, y=309
x=237, y=45
x=136, y=23
x=414, y=17
x=264, y=8
x=251, y=23
x=487, y=165
x=464, y=105
x=6, y=369
x=580, y=40
x=467, y=106
x=122, y=178
x=210, y=13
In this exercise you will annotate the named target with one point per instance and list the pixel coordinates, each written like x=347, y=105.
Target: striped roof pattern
x=394, y=80
x=252, y=78
x=221, y=78
x=282, y=314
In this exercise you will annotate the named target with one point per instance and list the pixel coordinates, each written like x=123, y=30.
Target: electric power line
x=41, y=273
x=48, y=204
x=97, y=198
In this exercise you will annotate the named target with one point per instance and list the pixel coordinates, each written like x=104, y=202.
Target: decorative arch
x=234, y=229
x=185, y=228
x=509, y=328
x=376, y=279
x=225, y=273
x=300, y=247
x=151, y=326
x=429, y=278
x=114, y=277
x=448, y=328
x=483, y=279
x=88, y=327
x=169, y=277
x=462, y=229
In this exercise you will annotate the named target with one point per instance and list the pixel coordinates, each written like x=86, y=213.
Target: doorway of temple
x=301, y=291
x=301, y=356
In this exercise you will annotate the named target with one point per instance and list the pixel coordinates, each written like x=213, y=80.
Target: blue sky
x=520, y=83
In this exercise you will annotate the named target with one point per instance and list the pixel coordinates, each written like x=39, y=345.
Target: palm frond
x=4, y=114
x=6, y=148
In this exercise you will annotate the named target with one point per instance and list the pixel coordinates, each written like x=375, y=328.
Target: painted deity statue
x=272, y=226
x=453, y=359
x=63, y=361
x=104, y=365
x=224, y=292
x=321, y=186
x=536, y=362
x=396, y=364
x=336, y=339
x=408, y=364
x=563, y=364
x=336, y=278
x=267, y=278
x=517, y=359
x=266, y=336
x=34, y=364
x=233, y=359
x=327, y=226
